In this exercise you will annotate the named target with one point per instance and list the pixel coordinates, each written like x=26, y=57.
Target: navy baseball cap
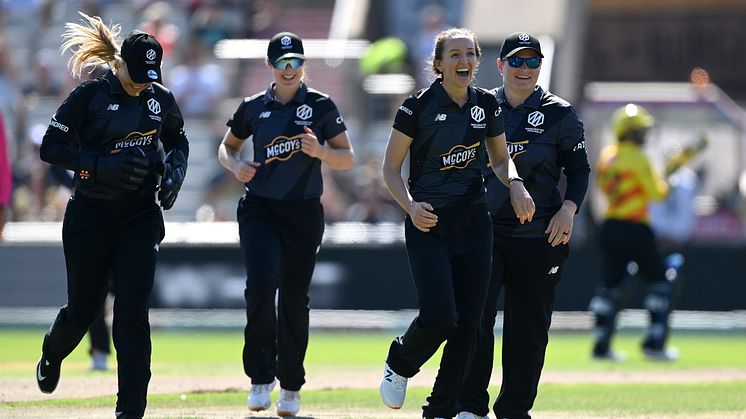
x=518, y=41
x=285, y=45
x=143, y=55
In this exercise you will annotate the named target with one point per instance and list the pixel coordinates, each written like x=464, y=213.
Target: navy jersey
x=544, y=136
x=100, y=117
x=448, y=151
x=286, y=172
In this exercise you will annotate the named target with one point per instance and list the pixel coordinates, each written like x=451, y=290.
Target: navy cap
x=519, y=41
x=143, y=55
x=285, y=45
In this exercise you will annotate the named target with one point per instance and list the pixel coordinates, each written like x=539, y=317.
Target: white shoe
x=666, y=354
x=393, y=388
x=259, y=396
x=289, y=403
x=469, y=415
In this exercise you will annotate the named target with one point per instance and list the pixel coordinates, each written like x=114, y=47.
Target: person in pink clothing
x=6, y=184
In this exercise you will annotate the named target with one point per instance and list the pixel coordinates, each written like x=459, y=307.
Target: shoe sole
x=258, y=409
x=285, y=414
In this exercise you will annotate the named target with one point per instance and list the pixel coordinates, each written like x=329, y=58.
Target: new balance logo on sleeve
x=553, y=270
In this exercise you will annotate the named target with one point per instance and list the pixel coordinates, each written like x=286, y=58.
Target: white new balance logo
x=112, y=107
x=264, y=115
x=440, y=117
x=553, y=270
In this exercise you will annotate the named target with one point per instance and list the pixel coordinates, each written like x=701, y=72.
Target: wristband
x=518, y=178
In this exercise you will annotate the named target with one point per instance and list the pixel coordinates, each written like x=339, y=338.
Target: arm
x=505, y=170
x=396, y=150
x=229, y=155
x=339, y=155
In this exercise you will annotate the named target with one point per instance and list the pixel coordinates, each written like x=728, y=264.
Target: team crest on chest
x=477, y=114
x=304, y=113
x=535, y=119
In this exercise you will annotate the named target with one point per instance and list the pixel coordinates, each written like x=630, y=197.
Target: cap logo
x=152, y=74
x=150, y=55
x=286, y=42
x=523, y=37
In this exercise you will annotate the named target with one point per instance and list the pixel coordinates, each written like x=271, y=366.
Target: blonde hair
x=92, y=43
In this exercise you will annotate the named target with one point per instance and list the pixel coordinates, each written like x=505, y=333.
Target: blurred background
x=682, y=59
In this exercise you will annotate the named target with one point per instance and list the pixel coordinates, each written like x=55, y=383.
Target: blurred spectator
x=432, y=22
x=6, y=183
x=156, y=22
x=43, y=81
x=198, y=83
x=214, y=21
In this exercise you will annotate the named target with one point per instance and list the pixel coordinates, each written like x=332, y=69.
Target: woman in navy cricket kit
x=294, y=129
x=545, y=138
x=445, y=128
x=112, y=132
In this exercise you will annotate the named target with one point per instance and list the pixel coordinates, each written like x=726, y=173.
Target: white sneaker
x=289, y=403
x=259, y=396
x=469, y=415
x=666, y=354
x=393, y=388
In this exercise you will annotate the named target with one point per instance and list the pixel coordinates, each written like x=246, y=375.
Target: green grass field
x=708, y=381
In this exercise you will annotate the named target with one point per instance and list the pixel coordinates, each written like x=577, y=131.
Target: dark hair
x=440, y=41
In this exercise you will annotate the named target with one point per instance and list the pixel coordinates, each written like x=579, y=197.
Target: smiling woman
x=294, y=129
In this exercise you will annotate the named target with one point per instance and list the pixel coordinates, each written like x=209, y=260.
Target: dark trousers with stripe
x=529, y=271
x=279, y=242
x=623, y=242
x=121, y=238
x=450, y=267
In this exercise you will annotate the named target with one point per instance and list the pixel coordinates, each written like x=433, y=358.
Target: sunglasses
x=531, y=62
x=285, y=62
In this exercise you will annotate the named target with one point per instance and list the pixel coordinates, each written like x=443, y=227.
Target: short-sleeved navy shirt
x=544, y=136
x=286, y=172
x=448, y=151
x=100, y=117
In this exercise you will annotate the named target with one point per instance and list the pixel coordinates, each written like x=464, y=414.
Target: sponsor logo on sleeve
x=58, y=125
x=405, y=110
x=579, y=146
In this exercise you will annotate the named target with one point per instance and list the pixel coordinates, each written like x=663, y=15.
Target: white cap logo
x=286, y=41
x=523, y=37
x=477, y=114
x=150, y=55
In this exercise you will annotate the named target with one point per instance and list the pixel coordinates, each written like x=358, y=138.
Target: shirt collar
x=442, y=96
x=533, y=101
x=115, y=86
x=300, y=95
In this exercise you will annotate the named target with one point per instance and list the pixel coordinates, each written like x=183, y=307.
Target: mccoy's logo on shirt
x=282, y=148
x=477, y=114
x=517, y=147
x=459, y=156
x=135, y=139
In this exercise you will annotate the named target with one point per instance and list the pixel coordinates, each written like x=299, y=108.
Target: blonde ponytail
x=92, y=43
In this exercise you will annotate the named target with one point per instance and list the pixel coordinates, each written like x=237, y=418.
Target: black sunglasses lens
x=531, y=62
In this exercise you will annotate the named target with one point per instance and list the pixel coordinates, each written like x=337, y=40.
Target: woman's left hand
x=560, y=226
x=310, y=144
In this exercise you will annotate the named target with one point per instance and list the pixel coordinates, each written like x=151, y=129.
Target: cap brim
x=147, y=75
x=511, y=53
x=290, y=55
